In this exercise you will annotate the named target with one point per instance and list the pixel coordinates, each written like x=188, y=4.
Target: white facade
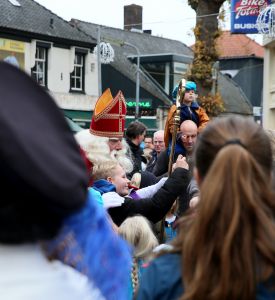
x=269, y=84
x=60, y=64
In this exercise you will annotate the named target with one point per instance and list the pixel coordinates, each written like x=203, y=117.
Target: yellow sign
x=10, y=45
x=13, y=52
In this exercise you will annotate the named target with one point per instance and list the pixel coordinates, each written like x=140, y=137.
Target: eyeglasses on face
x=186, y=137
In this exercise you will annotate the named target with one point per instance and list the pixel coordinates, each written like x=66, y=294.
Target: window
x=39, y=71
x=77, y=76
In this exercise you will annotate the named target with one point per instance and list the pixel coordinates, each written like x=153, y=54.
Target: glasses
x=186, y=137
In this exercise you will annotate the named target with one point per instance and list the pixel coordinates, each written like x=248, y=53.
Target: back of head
x=137, y=231
x=42, y=173
x=233, y=131
x=234, y=227
x=271, y=134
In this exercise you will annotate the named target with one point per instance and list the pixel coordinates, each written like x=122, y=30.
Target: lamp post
x=137, y=79
x=99, y=62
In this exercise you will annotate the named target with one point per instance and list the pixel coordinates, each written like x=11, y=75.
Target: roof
x=238, y=45
x=235, y=101
x=32, y=19
x=147, y=45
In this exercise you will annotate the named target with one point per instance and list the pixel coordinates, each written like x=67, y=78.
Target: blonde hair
x=136, y=179
x=104, y=169
x=138, y=232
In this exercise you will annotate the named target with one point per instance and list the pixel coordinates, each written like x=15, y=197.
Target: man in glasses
x=159, y=146
x=186, y=140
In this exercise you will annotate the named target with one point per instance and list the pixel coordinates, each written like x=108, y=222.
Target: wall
x=269, y=85
x=60, y=65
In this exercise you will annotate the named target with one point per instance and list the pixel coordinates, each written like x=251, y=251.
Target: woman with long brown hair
x=227, y=249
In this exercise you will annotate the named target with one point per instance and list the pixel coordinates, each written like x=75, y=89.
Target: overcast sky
x=172, y=19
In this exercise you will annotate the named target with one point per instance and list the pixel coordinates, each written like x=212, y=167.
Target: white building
x=58, y=56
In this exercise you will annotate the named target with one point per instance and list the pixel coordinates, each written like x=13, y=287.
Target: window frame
x=79, y=53
x=38, y=61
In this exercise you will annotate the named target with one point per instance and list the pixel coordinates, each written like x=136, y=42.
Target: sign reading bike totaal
x=244, y=15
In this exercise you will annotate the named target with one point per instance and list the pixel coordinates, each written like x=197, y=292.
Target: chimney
x=132, y=17
x=148, y=31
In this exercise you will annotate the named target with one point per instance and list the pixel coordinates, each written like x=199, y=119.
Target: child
x=137, y=231
x=189, y=109
x=170, y=224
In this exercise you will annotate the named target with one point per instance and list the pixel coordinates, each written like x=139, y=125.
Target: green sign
x=144, y=104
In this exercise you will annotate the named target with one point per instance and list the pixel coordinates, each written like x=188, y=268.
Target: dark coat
x=161, y=165
x=161, y=170
x=154, y=208
x=152, y=162
x=136, y=154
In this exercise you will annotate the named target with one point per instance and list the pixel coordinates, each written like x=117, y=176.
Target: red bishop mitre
x=109, y=115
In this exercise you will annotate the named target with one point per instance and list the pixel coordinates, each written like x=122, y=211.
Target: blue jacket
x=162, y=281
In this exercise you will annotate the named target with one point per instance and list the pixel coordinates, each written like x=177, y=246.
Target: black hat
x=42, y=174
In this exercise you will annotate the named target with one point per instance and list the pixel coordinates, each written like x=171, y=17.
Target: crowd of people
x=98, y=215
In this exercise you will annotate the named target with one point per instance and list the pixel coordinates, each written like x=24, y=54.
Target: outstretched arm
x=155, y=208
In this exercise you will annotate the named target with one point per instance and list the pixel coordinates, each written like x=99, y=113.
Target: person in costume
x=104, y=139
x=189, y=109
x=50, y=228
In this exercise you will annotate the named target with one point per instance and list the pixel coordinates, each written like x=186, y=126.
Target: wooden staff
x=175, y=126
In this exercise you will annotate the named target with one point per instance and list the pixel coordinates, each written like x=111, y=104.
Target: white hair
x=92, y=143
x=98, y=151
x=159, y=132
x=123, y=157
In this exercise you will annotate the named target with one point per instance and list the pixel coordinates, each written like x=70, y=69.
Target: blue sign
x=244, y=14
